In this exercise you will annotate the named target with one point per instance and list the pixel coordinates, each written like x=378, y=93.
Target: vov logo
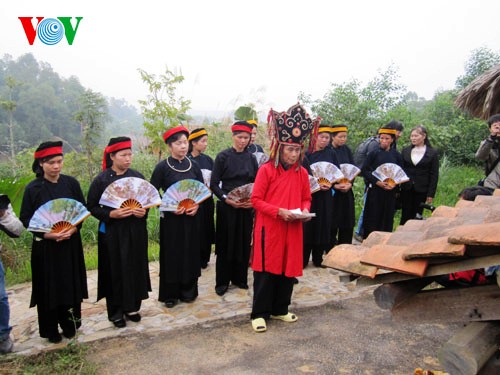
x=50, y=31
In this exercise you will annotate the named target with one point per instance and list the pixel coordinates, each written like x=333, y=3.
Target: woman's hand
x=180, y=211
x=344, y=188
x=429, y=200
x=139, y=212
x=60, y=236
x=121, y=213
x=193, y=210
x=385, y=185
x=324, y=186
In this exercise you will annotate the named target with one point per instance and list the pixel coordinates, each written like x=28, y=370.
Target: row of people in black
x=186, y=236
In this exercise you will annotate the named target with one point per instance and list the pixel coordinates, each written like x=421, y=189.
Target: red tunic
x=277, y=244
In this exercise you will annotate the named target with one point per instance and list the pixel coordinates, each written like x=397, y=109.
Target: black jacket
x=424, y=175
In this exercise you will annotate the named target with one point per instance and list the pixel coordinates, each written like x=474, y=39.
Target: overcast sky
x=234, y=52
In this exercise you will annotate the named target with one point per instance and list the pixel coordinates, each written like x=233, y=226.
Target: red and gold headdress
x=291, y=127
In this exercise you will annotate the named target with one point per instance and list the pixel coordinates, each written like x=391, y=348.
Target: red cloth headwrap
x=171, y=132
x=48, y=152
x=113, y=148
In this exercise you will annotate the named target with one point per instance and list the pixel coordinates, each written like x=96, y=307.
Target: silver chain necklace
x=177, y=170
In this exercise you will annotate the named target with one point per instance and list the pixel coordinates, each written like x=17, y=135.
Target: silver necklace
x=177, y=170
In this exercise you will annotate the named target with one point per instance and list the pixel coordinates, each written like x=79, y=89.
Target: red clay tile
x=376, y=238
x=496, y=193
x=486, y=201
x=411, y=225
x=391, y=258
x=405, y=238
x=436, y=247
x=346, y=258
x=461, y=203
x=445, y=211
x=479, y=234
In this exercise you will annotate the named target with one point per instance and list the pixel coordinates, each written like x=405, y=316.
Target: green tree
x=9, y=105
x=480, y=60
x=246, y=112
x=162, y=108
x=91, y=116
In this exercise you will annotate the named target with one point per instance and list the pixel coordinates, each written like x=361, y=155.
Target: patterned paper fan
x=131, y=192
x=261, y=158
x=207, y=174
x=349, y=171
x=184, y=193
x=57, y=215
x=313, y=183
x=326, y=173
x=391, y=173
x=241, y=194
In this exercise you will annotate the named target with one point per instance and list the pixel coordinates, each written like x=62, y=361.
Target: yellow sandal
x=259, y=325
x=289, y=317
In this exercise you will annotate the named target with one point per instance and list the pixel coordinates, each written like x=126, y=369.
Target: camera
x=427, y=206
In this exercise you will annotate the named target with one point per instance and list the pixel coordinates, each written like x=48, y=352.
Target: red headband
x=113, y=148
x=171, y=132
x=57, y=150
x=241, y=128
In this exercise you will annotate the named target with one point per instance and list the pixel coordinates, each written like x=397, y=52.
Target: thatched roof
x=481, y=98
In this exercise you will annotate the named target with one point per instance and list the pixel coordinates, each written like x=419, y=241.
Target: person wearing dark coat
x=421, y=164
x=123, y=269
x=343, y=198
x=59, y=280
x=318, y=232
x=381, y=196
x=198, y=140
x=179, y=230
x=233, y=168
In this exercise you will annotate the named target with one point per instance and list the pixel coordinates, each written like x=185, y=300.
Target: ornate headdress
x=291, y=127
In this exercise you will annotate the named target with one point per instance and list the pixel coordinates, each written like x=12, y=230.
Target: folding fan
x=207, y=174
x=391, y=173
x=313, y=183
x=184, y=194
x=130, y=192
x=57, y=215
x=4, y=202
x=241, y=194
x=349, y=171
x=326, y=173
x=261, y=158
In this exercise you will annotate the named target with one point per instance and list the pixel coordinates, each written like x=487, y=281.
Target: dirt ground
x=353, y=336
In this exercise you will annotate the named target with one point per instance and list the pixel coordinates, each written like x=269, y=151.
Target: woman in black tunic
x=381, y=198
x=197, y=145
x=59, y=280
x=122, y=240
x=233, y=167
x=343, y=198
x=179, y=230
x=318, y=231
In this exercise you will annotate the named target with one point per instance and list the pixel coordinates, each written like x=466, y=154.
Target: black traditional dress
x=207, y=229
x=318, y=231
x=380, y=203
x=59, y=280
x=254, y=148
x=343, y=215
x=123, y=270
x=179, y=236
x=234, y=225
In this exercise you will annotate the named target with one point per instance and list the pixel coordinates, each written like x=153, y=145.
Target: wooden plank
x=436, y=247
x=470, y=349
x=478, y=234
x=387, y=296
x=434, y=270
x=391, y=258
x=346, y=258
x=479, y=303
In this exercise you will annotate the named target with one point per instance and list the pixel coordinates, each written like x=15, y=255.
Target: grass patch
x=68, y=360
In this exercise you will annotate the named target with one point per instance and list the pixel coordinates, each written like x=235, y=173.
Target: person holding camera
x=10, y=224
x=421, y=164
x=489, y=151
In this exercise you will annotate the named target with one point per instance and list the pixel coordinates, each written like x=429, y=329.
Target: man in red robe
x=281, y=198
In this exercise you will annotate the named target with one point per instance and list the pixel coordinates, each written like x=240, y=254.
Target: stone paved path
x=316, y=287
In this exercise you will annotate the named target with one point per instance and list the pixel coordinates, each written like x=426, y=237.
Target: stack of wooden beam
x=406, y=261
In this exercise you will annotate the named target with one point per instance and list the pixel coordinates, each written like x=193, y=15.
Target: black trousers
x=317, y=254
x=116, y=311
x=342, y=235
x=66, y=316
x=184, y=292
x=410, y=201
x=272, y=294
x=230, y=270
